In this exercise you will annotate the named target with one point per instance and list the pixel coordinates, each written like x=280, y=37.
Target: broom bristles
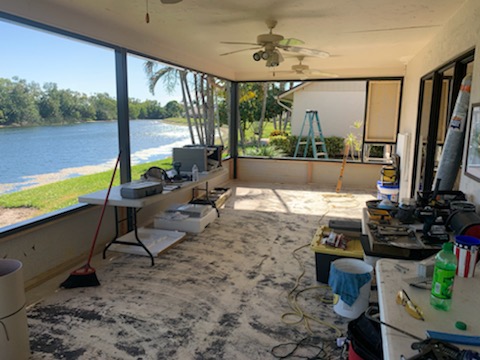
x=82, y=277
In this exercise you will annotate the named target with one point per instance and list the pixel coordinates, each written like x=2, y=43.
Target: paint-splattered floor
x=216, y=295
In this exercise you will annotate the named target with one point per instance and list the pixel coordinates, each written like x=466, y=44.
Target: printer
x=205, y=157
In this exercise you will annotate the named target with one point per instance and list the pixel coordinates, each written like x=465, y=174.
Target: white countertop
x=465, y=307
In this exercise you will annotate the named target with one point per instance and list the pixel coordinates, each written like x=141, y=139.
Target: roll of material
x=464, y=223
x=452, y=150
x=14, y=342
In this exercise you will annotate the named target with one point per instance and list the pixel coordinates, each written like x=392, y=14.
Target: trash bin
x=350, y=280
x=14, y=342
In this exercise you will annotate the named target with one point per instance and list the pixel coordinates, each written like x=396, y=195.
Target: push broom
x=85, y=276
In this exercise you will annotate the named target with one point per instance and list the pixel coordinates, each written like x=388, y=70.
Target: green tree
x=70, y=105
x=154, y=110
x=49, y=104
x=199, y=104
x=18, y=102
x=105, y=106
x=85, y=107
x=134, y=107
x=173, y=109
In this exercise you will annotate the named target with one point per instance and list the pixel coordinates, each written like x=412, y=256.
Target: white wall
x=325, y=174
x=459, y=35
x=339, y=105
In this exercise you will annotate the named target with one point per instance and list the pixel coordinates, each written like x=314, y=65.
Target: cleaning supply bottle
x=443, y=277
x=194, y=172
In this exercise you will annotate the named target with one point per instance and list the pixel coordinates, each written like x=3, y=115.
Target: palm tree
x=200, y=108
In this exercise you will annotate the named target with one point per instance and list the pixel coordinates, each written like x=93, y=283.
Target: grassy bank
x=58, y=195
x=176, y=121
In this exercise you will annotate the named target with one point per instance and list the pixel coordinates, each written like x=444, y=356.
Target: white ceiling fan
x=304, y=70
x=268, y=46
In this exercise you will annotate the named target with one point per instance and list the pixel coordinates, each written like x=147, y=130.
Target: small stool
x=325, y=254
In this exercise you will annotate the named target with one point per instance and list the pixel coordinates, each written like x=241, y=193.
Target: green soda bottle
x=443, y=277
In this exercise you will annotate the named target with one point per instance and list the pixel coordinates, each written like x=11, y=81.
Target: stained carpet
x=220, y=294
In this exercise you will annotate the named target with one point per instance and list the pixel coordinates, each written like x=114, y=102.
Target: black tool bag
x=365, y=337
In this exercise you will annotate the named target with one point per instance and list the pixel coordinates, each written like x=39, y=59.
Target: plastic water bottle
x=194, y=172
x=443, y=277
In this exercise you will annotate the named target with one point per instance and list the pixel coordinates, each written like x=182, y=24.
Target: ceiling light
x=273, y=60
x=258, y=55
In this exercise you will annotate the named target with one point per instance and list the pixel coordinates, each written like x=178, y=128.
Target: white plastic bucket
x=389, y=192
x=354, y=267
x=14, y=343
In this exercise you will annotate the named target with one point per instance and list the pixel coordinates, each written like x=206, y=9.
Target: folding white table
x=391, y=275
x=115, y=199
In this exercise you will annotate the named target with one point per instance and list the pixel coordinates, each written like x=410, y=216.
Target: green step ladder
x=312, y=117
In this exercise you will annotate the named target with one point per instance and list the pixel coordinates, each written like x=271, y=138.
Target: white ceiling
x=364, y=37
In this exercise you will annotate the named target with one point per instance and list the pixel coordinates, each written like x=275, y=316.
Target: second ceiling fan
x=270, y=44
x=303, y=70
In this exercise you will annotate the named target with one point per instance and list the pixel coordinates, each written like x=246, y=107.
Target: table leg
x=135, y=229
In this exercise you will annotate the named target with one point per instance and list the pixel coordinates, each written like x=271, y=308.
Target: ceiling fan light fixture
x=273, y=60
x=257, y=56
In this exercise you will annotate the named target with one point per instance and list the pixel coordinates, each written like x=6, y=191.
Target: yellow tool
x=342, y=169
x=411, y=309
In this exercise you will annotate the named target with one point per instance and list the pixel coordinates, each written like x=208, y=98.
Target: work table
x=115, y=199
x=391, y=275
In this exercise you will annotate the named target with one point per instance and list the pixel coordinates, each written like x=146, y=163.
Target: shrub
x=283, y=143
x=335, y=145
x=376, y=151
x=278, y=133
x=265, y=150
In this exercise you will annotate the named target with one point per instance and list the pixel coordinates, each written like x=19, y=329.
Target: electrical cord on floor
x=293, y=295
x=297, y=311
x=310, y=348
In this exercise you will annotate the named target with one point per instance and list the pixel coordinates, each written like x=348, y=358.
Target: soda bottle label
x=442, y=285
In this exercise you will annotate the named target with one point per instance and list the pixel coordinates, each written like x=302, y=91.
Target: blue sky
x=42, y=57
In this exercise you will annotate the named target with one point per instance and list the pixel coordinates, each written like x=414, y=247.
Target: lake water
x=43, y=152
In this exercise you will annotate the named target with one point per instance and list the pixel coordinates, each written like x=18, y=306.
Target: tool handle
x=103, y=211
x=454, y=338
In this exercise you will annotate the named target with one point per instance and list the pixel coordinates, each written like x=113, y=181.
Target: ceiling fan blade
x=305, y=51
x=237, y=51
x=237, y=43
x=321, y=73
x=291, y=42
x=306, y=73
x=396, y=29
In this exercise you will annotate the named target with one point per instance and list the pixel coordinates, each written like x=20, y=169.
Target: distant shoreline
x=171, y=121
